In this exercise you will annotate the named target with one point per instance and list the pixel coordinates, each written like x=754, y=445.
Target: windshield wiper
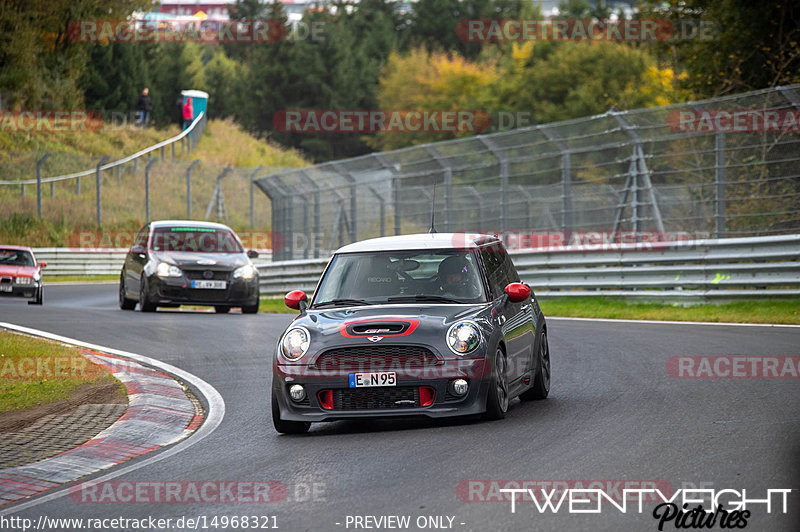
x=423, y=297
x=338, y=302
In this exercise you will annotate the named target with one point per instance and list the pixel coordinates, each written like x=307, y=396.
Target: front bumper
x=476, y=371
x=177, y=290
x=20, y=290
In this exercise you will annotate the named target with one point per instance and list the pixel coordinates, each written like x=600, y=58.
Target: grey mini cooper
x=429, y=325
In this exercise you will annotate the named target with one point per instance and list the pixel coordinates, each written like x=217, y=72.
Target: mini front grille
x=375, y=398
x=376, y=358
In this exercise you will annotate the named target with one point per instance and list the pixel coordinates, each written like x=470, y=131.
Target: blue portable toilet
x=199, y=101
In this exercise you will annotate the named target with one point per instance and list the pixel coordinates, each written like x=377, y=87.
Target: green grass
x=67, y=216
x=35, y=371
x=784, y=311
x=79, y=278
x=274, y=306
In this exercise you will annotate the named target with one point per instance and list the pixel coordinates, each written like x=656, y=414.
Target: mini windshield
x=16, y=257
x=195, y=240
x=438, y=276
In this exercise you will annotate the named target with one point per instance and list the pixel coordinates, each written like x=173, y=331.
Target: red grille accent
x=426, y=395
x=326, y=399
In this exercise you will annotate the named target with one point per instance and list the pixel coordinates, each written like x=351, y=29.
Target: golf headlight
x=245, y=272
x=37, y=276
x=463, y=337
x=295, y=342
x=24, y=280
x=168, y=270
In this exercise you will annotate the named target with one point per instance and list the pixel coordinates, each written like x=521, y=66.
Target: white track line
x=610, y=320
x=214, y=415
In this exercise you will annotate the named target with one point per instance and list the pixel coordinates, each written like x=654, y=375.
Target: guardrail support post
x=719, y=181
x=119, y=176
x=39, y=164
x=173, y=152
x=22, y=190
x=98, y=176
x=162, y=154
x=189, y=188
x=147, y=188
x=252, y=200
x=52, y=189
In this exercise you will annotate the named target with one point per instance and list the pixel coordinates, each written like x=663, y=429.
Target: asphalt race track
x=614, y=413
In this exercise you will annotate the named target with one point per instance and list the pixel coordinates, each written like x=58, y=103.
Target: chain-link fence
x=729, y=166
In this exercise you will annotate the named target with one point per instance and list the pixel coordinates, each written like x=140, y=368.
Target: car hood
x=17, y=271
x=202, y=261
x=417, y=320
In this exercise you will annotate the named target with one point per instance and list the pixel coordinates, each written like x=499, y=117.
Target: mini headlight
x=168, y=270
x=463, y=337
x=295, y=342
x=245, y=272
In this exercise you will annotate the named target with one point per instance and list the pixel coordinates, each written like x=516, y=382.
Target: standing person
x=188, y=113
x=144, y=106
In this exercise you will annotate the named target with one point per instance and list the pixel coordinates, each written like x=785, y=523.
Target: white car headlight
x=24, y=280
x=36, y=276
x=245, y=272
x=168, y=270
x=295, y=342
x=463, y=337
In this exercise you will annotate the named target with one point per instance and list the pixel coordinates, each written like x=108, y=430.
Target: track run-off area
x=626, y=410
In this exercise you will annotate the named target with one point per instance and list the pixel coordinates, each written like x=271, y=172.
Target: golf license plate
x=368, y=380
x=219, y=285
x=6, y=288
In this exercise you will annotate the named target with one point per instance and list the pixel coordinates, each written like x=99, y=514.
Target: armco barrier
x=698, y=269
x=68, y=261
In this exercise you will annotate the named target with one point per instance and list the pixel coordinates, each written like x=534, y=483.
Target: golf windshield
x=443, y=276
x=195, y=240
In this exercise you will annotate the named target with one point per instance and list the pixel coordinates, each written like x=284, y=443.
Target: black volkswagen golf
x=432, y=324
x=174, y=263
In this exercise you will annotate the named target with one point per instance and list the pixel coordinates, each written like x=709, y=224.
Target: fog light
x=297, y=392
x=460, y=387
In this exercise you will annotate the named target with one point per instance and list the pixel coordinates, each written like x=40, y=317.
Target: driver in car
x=457, y=279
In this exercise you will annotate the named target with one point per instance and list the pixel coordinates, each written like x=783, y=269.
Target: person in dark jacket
x=188, y=113
x=144, y=106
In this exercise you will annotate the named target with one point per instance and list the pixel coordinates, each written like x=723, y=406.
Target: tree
x=729, y=46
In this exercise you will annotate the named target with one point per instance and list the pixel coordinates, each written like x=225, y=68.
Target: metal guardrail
x=696, y=269
x=66, y=261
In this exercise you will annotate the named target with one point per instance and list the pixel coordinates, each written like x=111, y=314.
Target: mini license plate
x=367, y=380
x=209, y=284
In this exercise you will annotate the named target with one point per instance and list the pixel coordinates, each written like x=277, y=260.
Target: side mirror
x=42, y=264
x=518, y=292
x=297, y=300
x=252, y=254
x=138, y=250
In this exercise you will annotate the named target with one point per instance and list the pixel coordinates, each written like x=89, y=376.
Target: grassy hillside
x=123, y=193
